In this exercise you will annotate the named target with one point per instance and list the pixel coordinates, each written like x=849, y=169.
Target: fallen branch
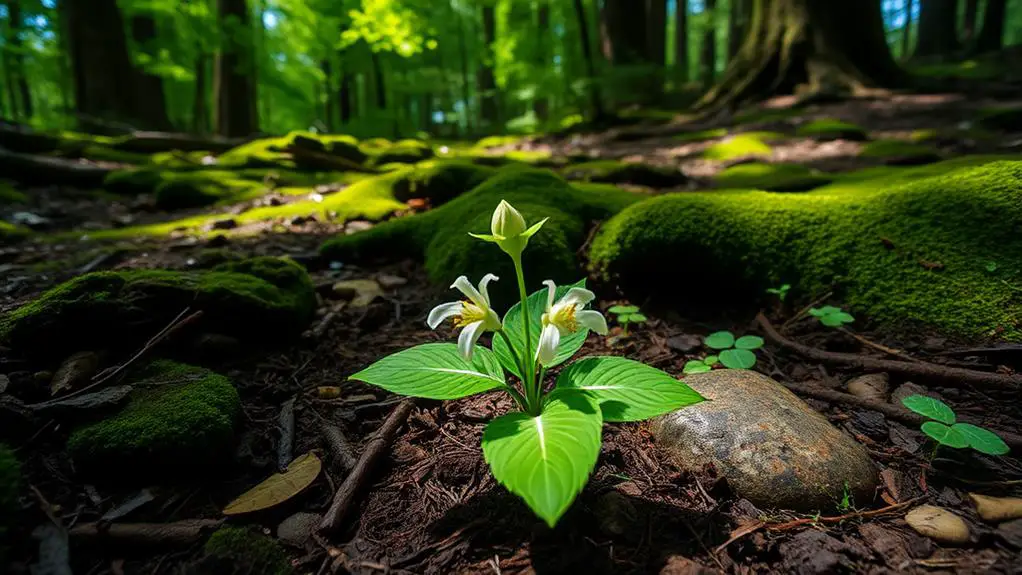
x=879, y=347
x=380, y=441
x=340, y=447
x=32, y=169
x=953, y=376
x=286, y=422
x=180, y=533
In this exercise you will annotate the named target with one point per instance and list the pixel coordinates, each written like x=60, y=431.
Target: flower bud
x=507, y=222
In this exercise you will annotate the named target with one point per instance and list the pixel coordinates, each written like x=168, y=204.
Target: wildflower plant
x=545, y=450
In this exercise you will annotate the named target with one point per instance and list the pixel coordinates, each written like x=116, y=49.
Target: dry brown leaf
x=361, y=292
x=997, y=508
x=280, y=487
x=74, y=373
x=328, y=392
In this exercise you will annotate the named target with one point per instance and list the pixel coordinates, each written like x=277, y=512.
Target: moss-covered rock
x=701, y=135
x=906, y=252
x=440, y=181
x=107, y=154
x=401, y=152
x=440, y=237
x=900, y=153
x=184, y=189
x=1002, y=119
x=611, y=172
x=779, y=177
x=11, y=233
x=749, y=144
x=243, y=551
x=257, y=300
x=179, y=420
x=10, y=195
x=830, y=129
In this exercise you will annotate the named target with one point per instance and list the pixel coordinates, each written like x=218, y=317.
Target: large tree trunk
x=969, y=21
x=938, y=31
x=233, y=83
x=380, y=80
x=906, y=31
x=151, y=102
x=991, y=36
x=540, y=103
x=737, y=24
x=656, y=31
x=200, y=106
x=816, y=43
x=708, y=57
x=17, y=62
x=681, y=41
x=595, y=98
x=624, y=31
x=485, y=77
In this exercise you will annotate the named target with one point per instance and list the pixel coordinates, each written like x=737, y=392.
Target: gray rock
x=772, y=448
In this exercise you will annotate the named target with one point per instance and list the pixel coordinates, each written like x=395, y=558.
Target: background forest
x=451, y=68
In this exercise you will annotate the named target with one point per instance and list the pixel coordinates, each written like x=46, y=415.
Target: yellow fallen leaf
x=280, y=487
x=360, y=292
x=328, y=392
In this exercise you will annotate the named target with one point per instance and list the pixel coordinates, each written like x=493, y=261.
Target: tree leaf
x=930, y=407
x=696, y=366
x=710, y=360
x=945, y=435
x=279, y=487
x=627, y=390
x=831, y=320
x=737, y=358
x=625, y=318
x=513, y=328
x=435, y=371
x=546, y=460
x=982, y=440
x=620, y=309
x=749, y=342
x=720, y=340
x=845, y=317
x=638, y=318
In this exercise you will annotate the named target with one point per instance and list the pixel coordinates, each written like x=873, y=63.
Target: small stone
x=772, y=448
x=297, y=529
x=228, y=224
x=29, y=220
x=872, y=386
x=938, y=524
x=615, y=513
x=218, y=241
x=388, y=281
x=685, y=343
x=997, y=509
x=355, y=226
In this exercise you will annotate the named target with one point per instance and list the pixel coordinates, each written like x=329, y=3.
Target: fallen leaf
x=74, y=372
x=997, y=509
x=938, y=524
x=328, y=392
x=361, y=292
x=104, y=398
x=280, y=487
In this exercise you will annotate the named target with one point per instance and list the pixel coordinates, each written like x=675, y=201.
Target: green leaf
x=832, y=320
x=624, y=318
x=696, y=366
x=930, y=407
x=619, y=309
x=945, y=435
x=513, y=328
x=845, y=317
x=627, y=390
x=737, y=358
x=817, y=312
x=720, y=340
x=638, y=318
x=710, y=360
x=749, y=342
x=546, y=460
x=435, y=371
x=982, y=440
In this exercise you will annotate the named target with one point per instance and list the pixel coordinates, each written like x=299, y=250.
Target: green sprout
x=847, y=502
x=627, y=314
x=831, y=316
x=701, y=365
x=780, y=292
x=945, y=431
x=734, y=353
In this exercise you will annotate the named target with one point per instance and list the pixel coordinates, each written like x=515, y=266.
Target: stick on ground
x=340, y=447
x=180, y=533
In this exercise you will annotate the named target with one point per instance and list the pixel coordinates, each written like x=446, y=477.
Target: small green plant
x=627, y=314
x=847, y=502
x=945, y=431
x=831, y=316
x=734, y=353
x=701, y=365
x=780, y=292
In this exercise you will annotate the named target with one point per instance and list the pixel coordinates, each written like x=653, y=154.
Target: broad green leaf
x=710, y=360
x=627, y=390
x=624, y=318
x=749, y=342
x=845, y=317
x=982, y=440
x=546, y=460
x=720, y=340
x=696, y=366
x=620, y=309
x=831, y=320
x=638, y=318
x=825, y=310
x=737, y=358
x=930, y=407
x=945, y=435
x=435, y=371
x=513, y=328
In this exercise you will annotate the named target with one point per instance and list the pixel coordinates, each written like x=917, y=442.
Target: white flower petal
x=593, y=320
x=468, y=338
x=577, y=296
x=551, y=292
x=548, y=342
x=492, y=321
x=482, y=287
x=464, y=286
x=441, y=312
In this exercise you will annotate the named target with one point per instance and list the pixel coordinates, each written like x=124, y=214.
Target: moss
x=767, y=115
x=179, y=420
x=402, y=152
x=907, y=252
x=261, y=153
x=440, y=237
x=778, y=177
x=899, y=152
x=263, y=299
x=440, y=181
x=178, y=160
x=972, y=69
x=175, y=190
x=742, y=146
x=1002, y=119
x=612, y=172
x=498, y=141
x=11, y=233
x=10, y=195
x=107, y=154
x=701, y=135
x=832, y=129
x=243, y=551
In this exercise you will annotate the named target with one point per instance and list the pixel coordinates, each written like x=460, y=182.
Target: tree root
x=177, y=534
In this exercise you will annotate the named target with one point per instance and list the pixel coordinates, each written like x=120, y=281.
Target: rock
x=908, y=388
x=812, y=552
x=615, y=513
x=360, y=292
x=772, y=448
x=242, y=551
x=228, y=224
x=938, y=524
x=997, y=509
x=872, y=386
x=678, y=565
x=297, y=529
x=75, y=372
x=685, y=343
x=29, y=220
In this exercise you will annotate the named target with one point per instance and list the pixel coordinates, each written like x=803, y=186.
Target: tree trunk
x=485, y=77
x=381, y=84
x=708, y=57
x=200, y=105
x=233, y=84
x=991, y=36
x=681, y=41
x=624, y=27
x=818, y=43
x=17, y=62
x=906, y=31
x=737, y=25
x=656, y=31
x=938, y=31
x=595, y=98
x=151, y=102
x=540, y=103
x=969, y=21
x=344, y=96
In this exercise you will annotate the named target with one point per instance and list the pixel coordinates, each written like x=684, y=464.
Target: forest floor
x=431, y=506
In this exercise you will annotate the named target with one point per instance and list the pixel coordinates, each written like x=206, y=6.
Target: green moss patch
x=243, y=551
x=701, y=135
x=176, y=190
x=179, y=420
x=440, y=237
x=778, y=177
x=402, y=152
x=10, y=232
x=905, y=252
x=612, y=172
x=750, y=144
x=830, y=129
x=261, y=299
x=899, y=152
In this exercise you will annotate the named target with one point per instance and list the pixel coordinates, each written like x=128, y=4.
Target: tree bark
x=485, y=77
x=906, y=31
x=816, y=43
x=595, y=98
x=233, y=89
x=737, y=25
x=624, y=27
x=991, y=36
x=17, y=63
x=656, y=31
x=540, y=103
x=381, y=83
x=708, y=57
x=151, y=101
x=938, y=31
x=200, y=105
x=969, y=21
x=681, y=67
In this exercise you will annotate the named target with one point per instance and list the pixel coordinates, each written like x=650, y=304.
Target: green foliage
x=627, y=314
x=832, y=129
x=780, y=292
x=513, y=320
x=831, y=316
x=774, y=177
x=742, y=146
x=435, y=371
x=945, y=431
x=733, y=353
x=243, y=551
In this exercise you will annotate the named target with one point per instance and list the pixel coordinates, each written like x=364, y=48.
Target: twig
x=380, y=441
x=286, y=422
x=340, y=447
x=180, y=533
x=321, y=327
x=879, y=347
x=838, y=519
x=953, y=376
x=806, y=309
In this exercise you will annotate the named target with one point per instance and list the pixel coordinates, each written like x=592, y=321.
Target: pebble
x=938, y=524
